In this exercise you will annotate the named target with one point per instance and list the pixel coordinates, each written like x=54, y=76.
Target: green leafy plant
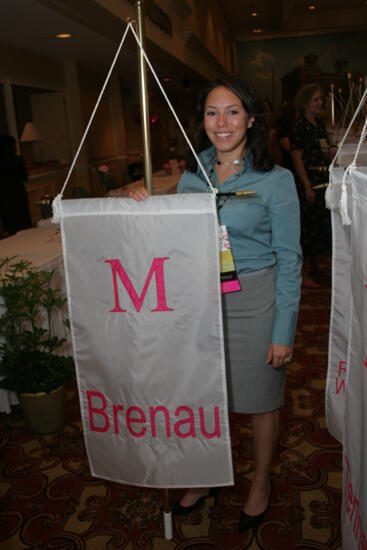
x=29, y=362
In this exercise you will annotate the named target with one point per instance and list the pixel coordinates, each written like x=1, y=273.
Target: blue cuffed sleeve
x=285, y=240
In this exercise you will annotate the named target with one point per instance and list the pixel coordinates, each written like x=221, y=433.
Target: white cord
x=94, y=110
x=348, y=130
x=361, y=140
x=343, y=205
x=174, y=113
x=56, y=205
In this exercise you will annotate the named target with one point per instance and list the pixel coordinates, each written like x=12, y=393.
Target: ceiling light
x=257, y=30
x=166, y=79
x=63, y=35
x=254, y=14
x=311, y=7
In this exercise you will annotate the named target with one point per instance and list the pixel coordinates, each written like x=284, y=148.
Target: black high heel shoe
x=179, y=510
x=250, y=522
x=247, y=522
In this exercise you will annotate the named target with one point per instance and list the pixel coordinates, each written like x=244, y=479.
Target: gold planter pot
x=44, y=412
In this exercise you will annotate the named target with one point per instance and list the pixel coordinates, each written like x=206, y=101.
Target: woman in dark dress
x=311, y=158
x=285, y=121
x=14, y=209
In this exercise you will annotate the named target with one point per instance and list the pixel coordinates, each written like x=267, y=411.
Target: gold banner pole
x=144, y=100
x=332, y=104
x=145, y=121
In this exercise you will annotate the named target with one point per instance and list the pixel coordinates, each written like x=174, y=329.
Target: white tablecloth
x=42, y=247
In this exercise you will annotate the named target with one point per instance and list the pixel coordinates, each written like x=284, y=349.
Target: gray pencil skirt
x=253, y=385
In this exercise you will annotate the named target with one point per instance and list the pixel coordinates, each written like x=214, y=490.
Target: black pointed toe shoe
x=179, y=510
x=250, y=522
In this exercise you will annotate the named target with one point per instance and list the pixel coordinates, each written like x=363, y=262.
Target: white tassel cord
x=343, y=205
x=328, y=193
x=328, y=196
x=55, y=206
x=213, y=190
x=56, y=209
x=349, y=128
x=361, y=140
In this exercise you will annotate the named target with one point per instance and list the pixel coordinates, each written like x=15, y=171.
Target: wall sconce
x=31, y=135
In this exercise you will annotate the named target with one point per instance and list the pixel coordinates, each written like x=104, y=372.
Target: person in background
x=270, y=120
x=14, y=208
x=311, y=158
x=284, y=124
x=259, y=320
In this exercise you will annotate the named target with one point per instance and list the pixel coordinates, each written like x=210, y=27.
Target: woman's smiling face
x=226, y=122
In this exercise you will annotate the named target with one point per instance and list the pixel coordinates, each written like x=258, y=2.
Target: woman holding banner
x=263, y=227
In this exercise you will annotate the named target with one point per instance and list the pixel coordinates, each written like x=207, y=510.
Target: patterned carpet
x=48, y=500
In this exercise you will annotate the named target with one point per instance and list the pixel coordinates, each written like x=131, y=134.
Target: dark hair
x=304, y=96
x=257, y=135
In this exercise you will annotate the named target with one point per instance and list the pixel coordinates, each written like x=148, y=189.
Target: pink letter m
x=157, y=269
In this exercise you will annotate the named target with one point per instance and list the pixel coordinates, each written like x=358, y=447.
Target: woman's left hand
x=279, y=355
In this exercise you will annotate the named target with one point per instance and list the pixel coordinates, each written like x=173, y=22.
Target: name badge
x=228, y=276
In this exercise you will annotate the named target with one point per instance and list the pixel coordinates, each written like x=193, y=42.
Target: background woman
x=285, y=122
x=260, y=320
x=311, y=158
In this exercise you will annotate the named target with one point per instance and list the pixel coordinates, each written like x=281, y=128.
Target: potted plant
x=30, y=361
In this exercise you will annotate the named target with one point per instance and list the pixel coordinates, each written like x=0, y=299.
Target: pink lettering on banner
x=116, y=410
x=97, y=411
x=352, y=509
x=190, y=420
x=216, y=432
x=340, y=381
x=365, y=363
x=131, y=419
x=138, y=425
x=157, y=269
x=153, y=412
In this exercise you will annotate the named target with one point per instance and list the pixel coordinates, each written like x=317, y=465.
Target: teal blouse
x=264, y=230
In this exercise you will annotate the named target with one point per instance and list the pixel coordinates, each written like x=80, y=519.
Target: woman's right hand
x=140, y=194
x=310, y=195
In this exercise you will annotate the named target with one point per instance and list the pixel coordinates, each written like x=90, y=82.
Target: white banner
x=354, y=521
x=340, y=311
x=144, y=298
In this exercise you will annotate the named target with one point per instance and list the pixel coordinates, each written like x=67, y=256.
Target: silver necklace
x=239, y=164
x=234, y=162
